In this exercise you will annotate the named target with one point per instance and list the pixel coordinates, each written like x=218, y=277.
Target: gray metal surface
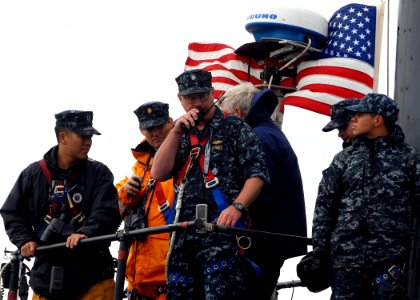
x=407, y=76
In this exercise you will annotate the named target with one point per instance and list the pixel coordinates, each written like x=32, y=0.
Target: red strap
x=195, y=145
x=209, y=176
x=45, y=170
x=183, y=170
x=52, y=210
x=160, y=196
x=122, y=254
x=194, y=141
x=53, y=205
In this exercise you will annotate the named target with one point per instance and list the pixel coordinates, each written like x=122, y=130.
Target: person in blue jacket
x=280, y=207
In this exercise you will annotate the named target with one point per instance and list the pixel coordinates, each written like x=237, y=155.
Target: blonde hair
x=239, y=96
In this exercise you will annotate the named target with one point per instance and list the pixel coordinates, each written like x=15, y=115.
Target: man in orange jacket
x=145, y=202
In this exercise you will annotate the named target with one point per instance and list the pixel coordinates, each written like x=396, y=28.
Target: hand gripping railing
x=125, y=237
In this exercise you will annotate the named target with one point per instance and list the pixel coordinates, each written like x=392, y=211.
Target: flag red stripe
x=337, y=71
x=333, y=90
x=200, y=52
x=306, y=103
x=223, y=58
x=224, y=80
x=227, y=68
x=242, y=76
x=288, y=82
x=218, y=93
x=237, y=69
x=206, y=47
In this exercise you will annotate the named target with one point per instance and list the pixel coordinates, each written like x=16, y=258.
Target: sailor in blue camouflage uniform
x=208, y=265
x=366, y=202
x=341, y=119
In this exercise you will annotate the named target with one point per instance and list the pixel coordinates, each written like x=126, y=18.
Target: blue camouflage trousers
x=208, y=268
x=354, y=284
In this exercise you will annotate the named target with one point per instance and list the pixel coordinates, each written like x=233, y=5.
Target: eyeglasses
x=200, y=97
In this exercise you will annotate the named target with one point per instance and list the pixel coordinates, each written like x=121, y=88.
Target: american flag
x=346, y=66
x=227, y=68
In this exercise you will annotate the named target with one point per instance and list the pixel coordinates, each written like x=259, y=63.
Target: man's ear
x=239, y=113
x=379, y=121
x=62, y=136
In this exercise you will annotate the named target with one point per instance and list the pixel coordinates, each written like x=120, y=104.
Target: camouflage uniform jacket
x=235, y=156
x=365, y=202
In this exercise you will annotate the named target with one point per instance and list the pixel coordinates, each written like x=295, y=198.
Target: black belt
x=134, y=296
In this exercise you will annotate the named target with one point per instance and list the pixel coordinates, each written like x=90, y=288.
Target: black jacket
x=95, y=196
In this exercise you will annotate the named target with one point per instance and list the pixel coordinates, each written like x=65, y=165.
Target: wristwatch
x=239, y=206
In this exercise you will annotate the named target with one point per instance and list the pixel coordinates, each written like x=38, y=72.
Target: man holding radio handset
x=215, y=161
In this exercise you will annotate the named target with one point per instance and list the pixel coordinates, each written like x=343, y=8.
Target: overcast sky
x=112, y=56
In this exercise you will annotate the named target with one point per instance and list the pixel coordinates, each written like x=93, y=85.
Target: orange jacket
x=146, y=262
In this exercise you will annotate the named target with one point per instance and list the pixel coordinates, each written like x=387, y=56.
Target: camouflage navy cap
x=378, y=104
x=77, y=120
x=340, y=116
x=152, y=114
x=193, y=82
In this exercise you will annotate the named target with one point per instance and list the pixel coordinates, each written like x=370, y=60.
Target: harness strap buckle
x=78, y=219
x=212, y=183
x=59, y=189
x=244, y=242
x=48, y=219
x=394, y=271
x=195, y=152
x=164, y=206
x=151, y=182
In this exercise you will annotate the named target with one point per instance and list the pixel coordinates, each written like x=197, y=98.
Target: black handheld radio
x=201, y=115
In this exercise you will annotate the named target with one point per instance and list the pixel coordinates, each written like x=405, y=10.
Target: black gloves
x=314, y=270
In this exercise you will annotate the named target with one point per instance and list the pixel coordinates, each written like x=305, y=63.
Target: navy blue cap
x=378, y=104
x=152, y=114
x=194, y=82
x=340, y=116
x=77, y=120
